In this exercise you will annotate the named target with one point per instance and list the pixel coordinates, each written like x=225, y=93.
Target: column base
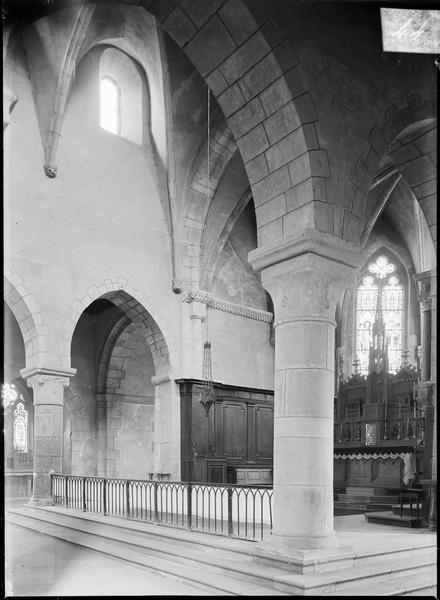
x=304, y=555
x=41, y=501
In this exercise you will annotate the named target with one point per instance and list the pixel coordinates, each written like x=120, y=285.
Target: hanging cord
x=209, y=178
x=209, y=133
x=207, y=394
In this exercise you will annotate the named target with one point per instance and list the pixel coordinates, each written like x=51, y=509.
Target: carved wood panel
x=234, y=430
x=263, y=432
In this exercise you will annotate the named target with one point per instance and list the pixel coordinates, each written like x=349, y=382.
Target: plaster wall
x=60, y=235
x=241, y=352
x=134, y=406
x=80, y=414
x=135, y=439
x=234, y=279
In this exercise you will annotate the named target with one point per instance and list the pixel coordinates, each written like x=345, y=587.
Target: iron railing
x=414, y=500
x=232, y=510
x=360, y=430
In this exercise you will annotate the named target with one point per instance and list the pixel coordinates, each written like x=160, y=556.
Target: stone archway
x=132, y=301
x=255, y=75
x=28, y=314
x=133, y=325
x=403, y=144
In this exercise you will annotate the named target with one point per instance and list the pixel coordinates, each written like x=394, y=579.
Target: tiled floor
x=40, y=565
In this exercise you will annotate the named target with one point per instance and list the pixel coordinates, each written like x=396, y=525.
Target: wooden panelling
x=263, y=432
x=237, y=432
x=234, y=430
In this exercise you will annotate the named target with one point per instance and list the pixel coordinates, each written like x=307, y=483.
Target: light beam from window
x=110, y=106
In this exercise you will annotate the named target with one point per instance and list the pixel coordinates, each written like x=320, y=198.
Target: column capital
x=311, y=241
x=424, y=285
x=48, y=383
x=47, y=372
x=307, y=276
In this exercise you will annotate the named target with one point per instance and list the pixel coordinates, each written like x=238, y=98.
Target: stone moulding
x=64, y=83
x=230, y=307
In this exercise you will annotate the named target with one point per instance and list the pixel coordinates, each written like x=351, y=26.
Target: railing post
x=51, y=487
x=189, y=504
x=127, y=497
x=66, y=491
x=156, y=512
x=230, y=528
x=84, y=505
x=104, y=496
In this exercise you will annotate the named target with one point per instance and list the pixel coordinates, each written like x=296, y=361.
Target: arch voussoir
x=255, y=75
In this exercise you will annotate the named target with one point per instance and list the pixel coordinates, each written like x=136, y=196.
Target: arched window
x=380, y=296
x=20, y=428
x=124, y=96
x=110, y=106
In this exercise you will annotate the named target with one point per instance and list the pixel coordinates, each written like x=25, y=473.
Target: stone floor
x=40, y=565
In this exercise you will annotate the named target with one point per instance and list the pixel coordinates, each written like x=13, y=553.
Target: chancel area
x=220, y=322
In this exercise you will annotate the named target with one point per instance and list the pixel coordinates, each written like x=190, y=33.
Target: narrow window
x=110, y=106
x=20, y=428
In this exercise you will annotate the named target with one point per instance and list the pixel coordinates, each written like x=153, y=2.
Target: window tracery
x=380, y=295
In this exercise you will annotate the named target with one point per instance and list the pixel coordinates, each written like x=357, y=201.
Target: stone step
x=353, y=498
x=220, y=564
x=390, y=518
x=183, y=568
x=412, y=585
x=348, y=506
x=373, y=507
x=406, y=509
x=370, y=492
x=363, y=491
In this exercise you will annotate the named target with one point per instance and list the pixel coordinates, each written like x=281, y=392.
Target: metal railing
x=232, y=510
x=414, y=499
x=403, y=428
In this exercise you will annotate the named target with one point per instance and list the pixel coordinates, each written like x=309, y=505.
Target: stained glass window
x=110, y=118
x=20, y=428
x=380, y=284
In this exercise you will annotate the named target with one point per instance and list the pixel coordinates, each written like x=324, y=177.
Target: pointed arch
x=402, y=145
x=132, y=302
x=27, y=311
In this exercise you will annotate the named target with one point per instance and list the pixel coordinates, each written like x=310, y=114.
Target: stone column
x=424, y=281
x=166, y=428
x=305, y=279
x=427, y=389
x=48, y=386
